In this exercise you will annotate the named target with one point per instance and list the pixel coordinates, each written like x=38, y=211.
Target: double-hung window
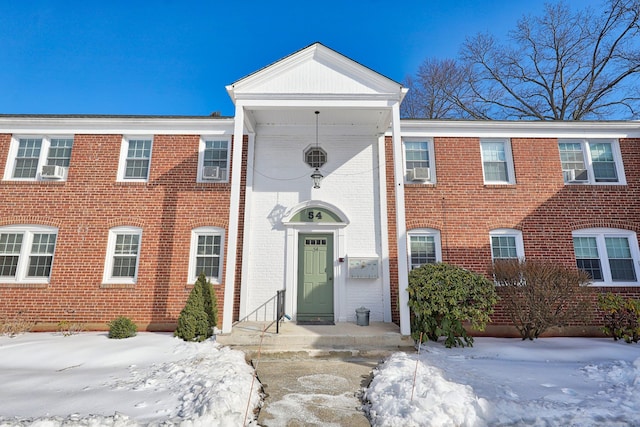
x=418, y=157
x=506, y=244
x=135, y=159
x=424, y=247
x=206, y=253
x=123, y=255
x=591, y=161
x=26, y=253
x=38, y=158
x=60, y=152
x=607, y=255
x=213, y=164
x=497, y=161
x=28, y=157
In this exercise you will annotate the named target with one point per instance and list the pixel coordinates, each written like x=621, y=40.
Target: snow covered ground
x=47, y=380
x=50, y=380
x=510, y=382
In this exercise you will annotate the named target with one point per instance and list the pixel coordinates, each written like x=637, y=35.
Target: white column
x=234, y=209
x=401, y=224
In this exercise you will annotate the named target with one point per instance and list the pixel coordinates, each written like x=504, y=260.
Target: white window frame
x=432, y=160
x=22, y=270
x=122, y=164
x=511, y=175
x=108, y=278
x=193, y=253
x=508, y=232
x=201, y=150
x=427, y=232
x=600, y=234
x=42, y=159
x=586, y=153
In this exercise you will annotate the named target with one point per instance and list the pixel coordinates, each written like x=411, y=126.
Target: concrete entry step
x=339, y=340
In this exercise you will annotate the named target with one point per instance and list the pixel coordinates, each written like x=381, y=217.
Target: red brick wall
x=243, y=191
x=87, y=205
x=171, y=203
x=539, y=204
x=393, y=239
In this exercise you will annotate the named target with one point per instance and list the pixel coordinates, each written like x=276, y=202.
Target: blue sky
x=166, y=57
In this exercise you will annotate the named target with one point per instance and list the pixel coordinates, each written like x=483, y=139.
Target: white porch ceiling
x=369, y=120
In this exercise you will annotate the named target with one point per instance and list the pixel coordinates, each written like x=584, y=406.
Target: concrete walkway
x=313, y=391
x=313, y=375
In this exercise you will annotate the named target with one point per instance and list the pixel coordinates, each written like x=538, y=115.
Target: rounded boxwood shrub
x=443, y=296
x=621, y=317
x=122, y=327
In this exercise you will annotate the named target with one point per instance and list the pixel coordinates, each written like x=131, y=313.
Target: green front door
x=315, y=278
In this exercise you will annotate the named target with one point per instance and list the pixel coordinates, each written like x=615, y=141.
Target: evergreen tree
x=209, y=299
x=193, y=322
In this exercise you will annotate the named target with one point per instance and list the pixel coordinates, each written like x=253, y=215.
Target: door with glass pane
x=315, y=279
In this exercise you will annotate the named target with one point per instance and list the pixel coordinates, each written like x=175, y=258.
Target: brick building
x=104, y=216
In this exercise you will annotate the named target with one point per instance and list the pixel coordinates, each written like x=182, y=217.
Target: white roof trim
x=533, y=129
x=352, y=79
x=117, y=125
x=409, y=128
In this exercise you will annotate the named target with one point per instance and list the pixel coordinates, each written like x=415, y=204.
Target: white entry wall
x=280, y=185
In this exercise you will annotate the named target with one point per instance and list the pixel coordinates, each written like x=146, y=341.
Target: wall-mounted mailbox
x=363, y=267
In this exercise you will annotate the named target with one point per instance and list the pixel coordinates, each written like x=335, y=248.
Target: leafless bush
x=15, y=326
x=538, y=295
x=67, y=328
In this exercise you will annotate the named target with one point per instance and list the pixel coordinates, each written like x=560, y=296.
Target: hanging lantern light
x=316, y=176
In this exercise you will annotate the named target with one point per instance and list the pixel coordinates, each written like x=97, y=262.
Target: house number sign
x=315, y=215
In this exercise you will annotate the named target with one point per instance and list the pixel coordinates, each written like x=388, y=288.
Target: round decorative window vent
x=315, y=157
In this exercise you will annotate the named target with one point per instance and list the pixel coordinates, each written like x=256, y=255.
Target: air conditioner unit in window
x=211, y=172
x=575, y=175
x=52, y=172
x=419, y=174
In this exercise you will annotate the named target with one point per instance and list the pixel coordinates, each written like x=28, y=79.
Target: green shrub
x=621, y=318
x=122, y=327
x=194, y=319
x=443, y=296
x=539, y=294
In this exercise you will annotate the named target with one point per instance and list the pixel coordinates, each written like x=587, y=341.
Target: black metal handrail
x=278, y=300
x=279, y=308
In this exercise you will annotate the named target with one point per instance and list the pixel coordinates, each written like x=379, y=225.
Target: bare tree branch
x=562, y=65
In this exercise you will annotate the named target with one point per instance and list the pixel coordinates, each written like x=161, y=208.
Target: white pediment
x=315, y=72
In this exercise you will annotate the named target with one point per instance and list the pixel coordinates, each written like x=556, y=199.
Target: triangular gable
x=315, y=71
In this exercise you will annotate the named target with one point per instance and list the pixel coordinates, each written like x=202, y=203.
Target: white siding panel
x=312, y=77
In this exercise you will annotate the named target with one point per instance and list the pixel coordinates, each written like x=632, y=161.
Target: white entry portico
x=315, y=98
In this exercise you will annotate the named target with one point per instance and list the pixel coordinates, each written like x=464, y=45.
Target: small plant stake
x=255, y=373
x=415, y=372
